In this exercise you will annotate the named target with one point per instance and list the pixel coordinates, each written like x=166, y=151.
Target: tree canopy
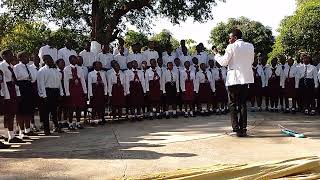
x=255, y=32
x=106, y=19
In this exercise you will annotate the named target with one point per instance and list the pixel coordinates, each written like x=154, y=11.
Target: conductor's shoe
x=16, y=140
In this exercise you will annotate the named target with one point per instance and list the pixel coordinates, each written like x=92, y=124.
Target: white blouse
x=184, y=77
x=200, y=78
x=170, y=76
x=130, y=77
x=92, y=79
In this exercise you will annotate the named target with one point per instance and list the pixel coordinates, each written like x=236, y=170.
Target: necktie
x=205, y=76
x=74, y=73
x=305, y=72
x=99, y=79
x=171, y=77
x=220, y=74
x=118, y=79
x=289, y=71
x=178, y=74
x=283, y=67
x=155, y=74
x=28, y=71
x=136, y=77
x=14, y=78
x=188, y=75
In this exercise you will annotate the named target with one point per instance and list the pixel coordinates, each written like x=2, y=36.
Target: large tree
x=255, y=32
x=106, y=18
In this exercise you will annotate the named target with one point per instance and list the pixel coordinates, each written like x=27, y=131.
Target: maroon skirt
x=205, y=93
x=11, y=106
x=154, y=92
x=290, y=89
x=221, y=91
x=97, y=101
x=188, y=95
x=118, y=98
x=274, y=87
x=36, y=95
x=77, y=97
x=136, y=97
x=255, y=89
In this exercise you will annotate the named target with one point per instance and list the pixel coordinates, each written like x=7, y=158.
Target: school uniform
x=273, y=84
x=195, y=68
x=150, y=54
x=105, y=60
x=135, y=87
x=65, y=53
x=63, y=102
x=75, y=86
x=85, y=72
x=281, y=68
x=48, y=50
x=307, y=77
x=168, y=58
x=265, y=92
x=122, y=61
x=11, y=92
x=36, y=96
x=179, y=52
x=154, y=85
x=170, y=80
x=219, y=76
x=204, y=87
x=116, y=88
x=125, y=51
x=88, y=59
x=187, y=84
x=49, y=89
x=135, y=57
x=184, y=58
x=255, y=89
x=202, y=57
x=290, y=86
x=97, y=91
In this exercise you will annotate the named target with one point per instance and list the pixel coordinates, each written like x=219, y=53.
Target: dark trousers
x=49, y=107
x=238, y=95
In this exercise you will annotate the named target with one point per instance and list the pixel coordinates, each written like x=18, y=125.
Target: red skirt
x=11, y=106
x=274, y=87
x=205, y=93
x=97, y=101
x=188, y=95
x=118, y=98
x=154, y=92
x=77, y=97
x=136, y=97
x=290, y=89
x=221, y=92
x=255, y=89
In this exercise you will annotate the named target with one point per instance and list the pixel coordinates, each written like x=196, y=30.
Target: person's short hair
x=4, y=52
x=236, y=32
x=19, y=55
x=72, y=56
x=46, y=57
x=59, y=60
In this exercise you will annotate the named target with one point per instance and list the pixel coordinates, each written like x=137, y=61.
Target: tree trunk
x=97, y=25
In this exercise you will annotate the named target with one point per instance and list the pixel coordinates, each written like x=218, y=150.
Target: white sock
x=191, y=113
x=158, y=114
x=151, y=114
x=11, y=135
x=27, y=130
x=167, y=113
x=174, y=112
x=33, y=126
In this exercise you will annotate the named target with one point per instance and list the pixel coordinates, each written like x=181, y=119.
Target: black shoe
x=159, y=117
x=58, y=130
x=72, y=128
x=16, y=140
x=65, y=125
x=2, y=137
x=151, y=117
x=31, y=134
x=80, y=126
x=167, y=116
x=4, y=146
x=26, y=138
x=239, y=134
x=186, y=115
x=175, y=116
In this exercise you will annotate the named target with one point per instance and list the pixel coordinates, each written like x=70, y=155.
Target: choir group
x=64, y=86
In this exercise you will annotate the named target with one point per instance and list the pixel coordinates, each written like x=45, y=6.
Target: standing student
x=136, y=54
x=35, y=67
x=219, y=76
x=180, y=51
x=105, y=57
x=150, y=53
x=49, y=89
x=195, y=65
x=98, y=91
x=154, y=88
x=25, y=78
x=290, y=86
x=162, y=68
x=83, y=68
x=171, y=90
x=177, y=67
x=255, y=89
x=62, y=104
x=116, y=90
x=121, y=59
x=168, y=55
x=145, y=106
x=187, y=84
x=308, y=82
x=76, y=91
x=121, y=46
x=87, y=56
x=200, y=55
x=136, y=90
x=273, y=79
x=265, y=69
x=211, y=70
x=2, y=81
x=204, y=88
x=185, y=56
x=66, y=52
x=48, y=49
x=11, y=92
x=281, y=68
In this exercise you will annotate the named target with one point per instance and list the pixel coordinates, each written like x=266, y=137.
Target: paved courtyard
x=130, y=149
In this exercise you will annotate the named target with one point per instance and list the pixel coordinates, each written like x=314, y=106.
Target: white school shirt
x=150, y=75
x=35, y=67
x=65, y=53
x=130, y=77
x=136, y=56
x=184, y=77
x=179, y=52
x=68, y=76
x=85, y=72
x=282, y=75
x=293, y=74
x=150, y=54
x=48, y=50
x=88, y=58
x=215, y=73
x=112, y=79
x=200, y=78
x=184, y=58
x=20, y=70
x=168, y=58
x=268, y=74
x=92, y=79
x=122, y=60
x=202, y=57
x=318, y=67
x=261, y=74
x=166, y=77
x=48, y=78
x=105, y=59
x=125, y=52
x=239, y=57
x=265, y=69
x=7, y=77
x=312, y=73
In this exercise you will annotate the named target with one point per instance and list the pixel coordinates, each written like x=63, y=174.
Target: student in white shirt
x=66, y=52
x=76, y=91
x=150, y=53
x=98, y=91
x=273, y=82
x=179, y=50
x=201, y=55
x=121, y=59
x=205, y=88
x=290, y=85
x=255, y=89
x=116, y=90
x=308, y=82
x=48, y=49
x=88, y=57
x=121, y=45
x=168, y=55
x=136, y=54
x=281, y=67
x=195, y=65
x=185, y=57
x=187, y=84
x=62, y=109
x=219, y=76
x=49, y=89
x=105, y=57
x=83, y=68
